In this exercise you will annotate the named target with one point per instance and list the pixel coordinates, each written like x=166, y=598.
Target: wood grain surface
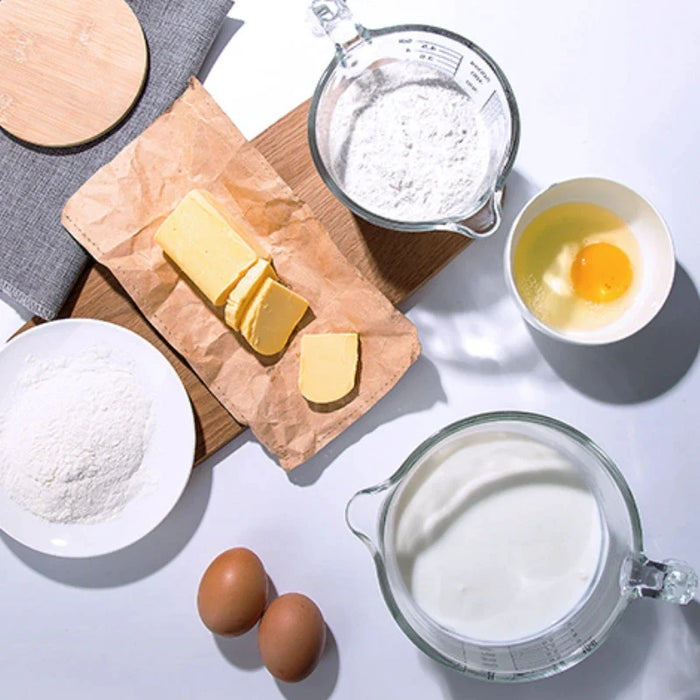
x=69, y=69
x=397, y=263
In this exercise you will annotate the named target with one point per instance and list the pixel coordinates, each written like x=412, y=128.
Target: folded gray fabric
x=39, y=261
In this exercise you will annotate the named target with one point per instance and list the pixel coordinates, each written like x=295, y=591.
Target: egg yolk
x=601, y=273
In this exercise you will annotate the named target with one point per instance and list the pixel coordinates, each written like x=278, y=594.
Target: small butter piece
x=271, y=316
x=328, y=366
x=245, y=290
x=208, y=244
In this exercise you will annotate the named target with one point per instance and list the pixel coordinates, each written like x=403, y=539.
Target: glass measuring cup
x=474, y=72
x=623, y=574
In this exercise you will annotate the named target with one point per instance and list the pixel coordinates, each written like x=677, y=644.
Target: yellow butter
x=215, y=208
x=327, y=366
x=245, y=290
x=271, y=317
x=208, y=244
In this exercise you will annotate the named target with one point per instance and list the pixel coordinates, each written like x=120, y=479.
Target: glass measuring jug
x=623, y=572
x=471, y=70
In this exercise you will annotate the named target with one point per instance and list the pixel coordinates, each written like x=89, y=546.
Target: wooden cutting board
x=396, y=263
x=69, y=69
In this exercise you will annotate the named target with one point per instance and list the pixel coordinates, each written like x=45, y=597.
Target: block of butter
x=271, y=317
x=208, y=244
x=327, y=366
x=242, y=294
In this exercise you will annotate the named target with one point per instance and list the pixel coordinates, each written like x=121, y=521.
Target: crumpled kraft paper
x=116, y=213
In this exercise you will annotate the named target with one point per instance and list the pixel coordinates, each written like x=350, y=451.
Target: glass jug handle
x=334, y=18
x=670, y=580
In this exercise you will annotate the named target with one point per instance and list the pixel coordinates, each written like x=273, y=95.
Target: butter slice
x=328, y=366
x=245, y=290
x=208, y=244
x=271, y=316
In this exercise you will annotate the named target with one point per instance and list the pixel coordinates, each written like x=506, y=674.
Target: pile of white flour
x=408, y=144
x=74, y=436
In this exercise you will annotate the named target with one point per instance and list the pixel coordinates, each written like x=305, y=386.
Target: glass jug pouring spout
x=334, y=18
x=481, y=224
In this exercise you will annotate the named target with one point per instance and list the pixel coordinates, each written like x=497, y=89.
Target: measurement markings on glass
x=512, y=658
x=488, y=658
x=431, y=52
x=551, y=652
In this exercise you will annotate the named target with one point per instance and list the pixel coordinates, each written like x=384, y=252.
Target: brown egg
x=233, y=592
x=291, y=637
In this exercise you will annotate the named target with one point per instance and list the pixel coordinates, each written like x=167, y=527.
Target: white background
x=604, y=88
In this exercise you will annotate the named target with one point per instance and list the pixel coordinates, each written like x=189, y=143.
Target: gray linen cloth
x=39, y=260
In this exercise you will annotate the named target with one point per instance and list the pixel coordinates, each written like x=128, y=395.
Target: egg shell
x=291, y=637
x=233, y=592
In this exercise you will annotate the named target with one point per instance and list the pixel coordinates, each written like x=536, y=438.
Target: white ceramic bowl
x=652, y=234
x=167, y=464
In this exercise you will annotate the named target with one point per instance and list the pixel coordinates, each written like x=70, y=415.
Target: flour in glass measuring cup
x=408, y=144
x=498, y=537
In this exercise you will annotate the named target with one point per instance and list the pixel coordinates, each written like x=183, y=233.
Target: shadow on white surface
x=229, y=27
x=418, y=390
x=137, y=561
x=686, y=677
x=241, y=652
x=465, y=316
x=613, y=666
x=641, y=367
x=653, y=651
x=691, y=613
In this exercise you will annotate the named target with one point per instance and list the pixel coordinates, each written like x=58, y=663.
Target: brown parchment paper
x=116, y=213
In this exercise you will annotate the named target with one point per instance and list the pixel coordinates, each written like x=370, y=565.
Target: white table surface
x=604, y=88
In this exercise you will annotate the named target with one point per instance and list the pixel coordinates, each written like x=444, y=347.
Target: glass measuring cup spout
x=482, y=224
x=624, y=573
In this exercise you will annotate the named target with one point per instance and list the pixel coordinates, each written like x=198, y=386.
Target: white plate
x=168, y=459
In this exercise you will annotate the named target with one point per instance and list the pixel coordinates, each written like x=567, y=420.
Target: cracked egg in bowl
x=589, y=261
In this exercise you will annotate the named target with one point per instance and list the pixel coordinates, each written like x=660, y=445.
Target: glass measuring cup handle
x=483, y=223
x=334, y=18
x=670, y=580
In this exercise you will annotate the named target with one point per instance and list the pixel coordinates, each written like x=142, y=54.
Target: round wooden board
x=69, y=69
